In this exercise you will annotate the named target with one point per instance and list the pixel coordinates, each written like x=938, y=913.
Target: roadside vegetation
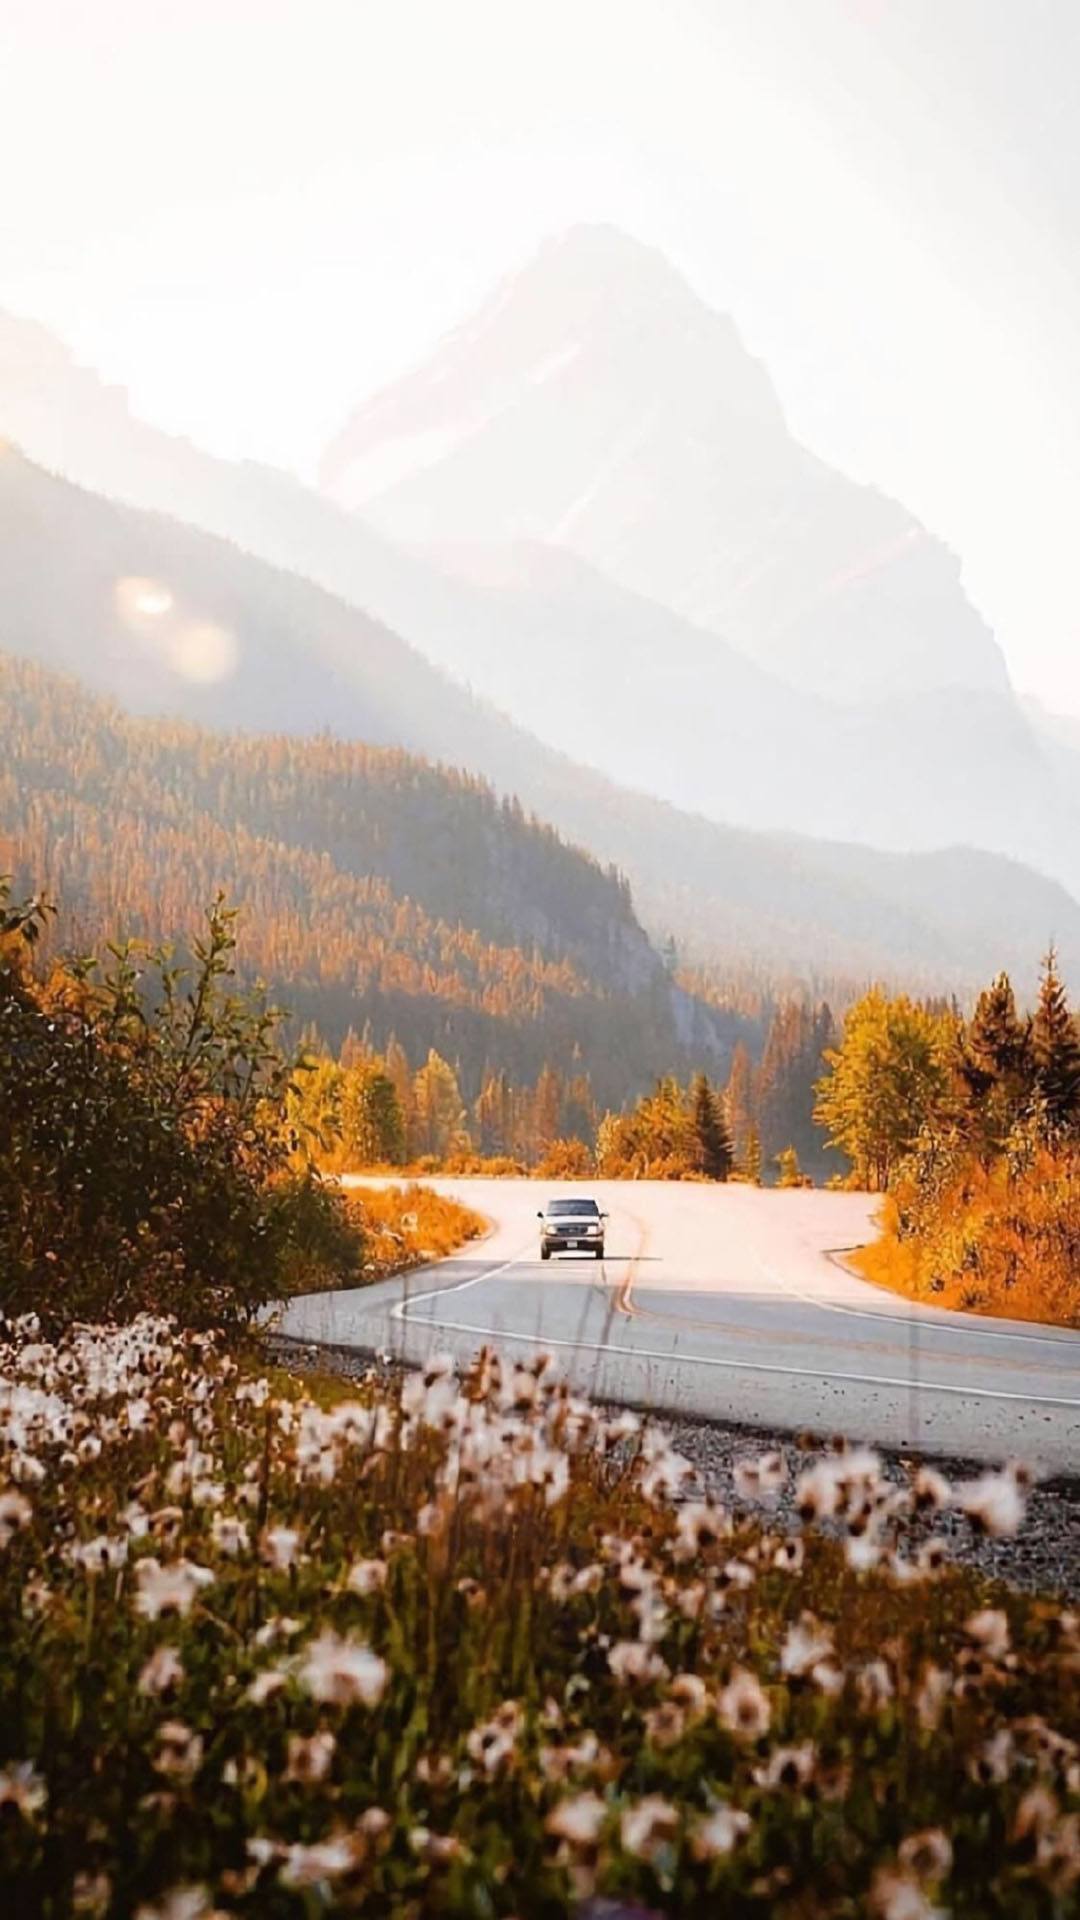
x=150, y=1157
x=473, y=1647
x=970, y=1129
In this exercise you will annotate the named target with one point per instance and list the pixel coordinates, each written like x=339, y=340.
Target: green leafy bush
x=144, y=1145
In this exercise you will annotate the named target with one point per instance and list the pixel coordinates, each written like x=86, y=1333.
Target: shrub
x=566, y=1160
x=144, y=1150
x=470, y=1649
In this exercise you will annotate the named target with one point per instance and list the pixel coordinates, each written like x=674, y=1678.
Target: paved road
x=726, y=1302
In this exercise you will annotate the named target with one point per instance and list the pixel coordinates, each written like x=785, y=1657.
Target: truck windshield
x=572, y=1206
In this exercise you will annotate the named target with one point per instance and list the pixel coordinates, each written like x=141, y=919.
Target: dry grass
x=994, y=1242
x=409, y=1226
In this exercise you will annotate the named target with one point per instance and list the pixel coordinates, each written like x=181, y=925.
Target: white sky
x=252, y=212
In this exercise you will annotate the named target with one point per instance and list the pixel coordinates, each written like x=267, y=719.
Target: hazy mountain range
x=80, y=588
x=587, y=507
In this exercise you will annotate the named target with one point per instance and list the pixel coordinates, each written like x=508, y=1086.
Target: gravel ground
x=1044, y=1558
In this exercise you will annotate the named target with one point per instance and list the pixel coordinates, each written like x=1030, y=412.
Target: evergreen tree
x=1056, y=1051
x=751, y=1162
x=790, y=1173
x=997, y=1043
x=713, y=1140
x=740, y=1101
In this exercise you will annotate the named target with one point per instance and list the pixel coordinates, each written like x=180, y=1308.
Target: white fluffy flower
x=343, y=1672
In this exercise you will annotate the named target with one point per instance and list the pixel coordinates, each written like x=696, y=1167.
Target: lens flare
x=203, y=653
x=139, y=599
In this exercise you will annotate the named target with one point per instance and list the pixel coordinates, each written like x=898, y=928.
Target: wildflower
x=647, y=1826
x=91, y=1893
x=759, y=1477
x=932, y=1557
x=585, y=1755
x=701, y=1523
x=993, y=1503
x=789, y=1556
x=230, y=1534
x=930, y=1491
x=366, y=1577
x=170, y=1589
x=15, y=1512
x=690, y=1691
x=743, y=1706
x=577, y=1821
x=991, y=1764
x=439, y=1849
x=280, y=1547
x=874, y=1686
x=718, y=1833
x=806, y=1644
x=309, y=1760
x=990, y=1631
x=100, y=1555
x=862, y=1552
x=897, y=1896
x=163, y=1670
x=266, y=1684
x=665, y=1476
x=567, y=1582
x=632, y=1661
x=928, y=1855
x=492, y=1745
x=22, y=1787
x=180, y=1903
x=817, y=1493
x=309, y=1866
x=179, y=1752
x=280, y=1626
x=665, y=1725
x=789, y=1767
x=343, y=1672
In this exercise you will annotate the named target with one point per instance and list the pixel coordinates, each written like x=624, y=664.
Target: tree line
x=971, y=1129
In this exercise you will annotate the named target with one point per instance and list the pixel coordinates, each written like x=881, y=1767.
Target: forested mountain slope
x=376, y=890
x=169, y=619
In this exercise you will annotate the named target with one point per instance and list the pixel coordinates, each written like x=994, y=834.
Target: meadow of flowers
x=468, y=1645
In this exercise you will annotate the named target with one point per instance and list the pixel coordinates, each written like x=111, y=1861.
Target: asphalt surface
x=728, y=1304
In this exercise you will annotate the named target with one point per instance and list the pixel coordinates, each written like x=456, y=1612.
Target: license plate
x=575, y=1244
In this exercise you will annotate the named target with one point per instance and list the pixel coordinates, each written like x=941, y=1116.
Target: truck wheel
x=545, y=1253
x=599, y=1252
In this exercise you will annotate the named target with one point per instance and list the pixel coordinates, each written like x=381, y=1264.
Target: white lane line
x=920, y=1316
x=732, y=1366
x=400, y=1310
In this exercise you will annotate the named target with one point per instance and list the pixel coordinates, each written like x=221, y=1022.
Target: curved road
x=725, y=1302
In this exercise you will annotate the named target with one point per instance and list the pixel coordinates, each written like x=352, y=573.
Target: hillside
x=302, y=662
x=657, y=701
x=377, y=890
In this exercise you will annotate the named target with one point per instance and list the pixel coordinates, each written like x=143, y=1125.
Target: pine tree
x=713, y=1140
x=751, y=1164
x=790, y=1173
x=1056, y=1051
x=740, y=1100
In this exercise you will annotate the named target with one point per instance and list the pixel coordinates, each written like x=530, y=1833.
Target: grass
x=471, y=1647
x=402, y=1227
